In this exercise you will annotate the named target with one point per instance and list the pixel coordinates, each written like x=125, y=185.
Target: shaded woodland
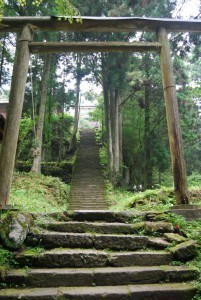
x=131, y=107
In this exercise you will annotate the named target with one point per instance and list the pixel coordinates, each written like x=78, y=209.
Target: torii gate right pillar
x=173, y=120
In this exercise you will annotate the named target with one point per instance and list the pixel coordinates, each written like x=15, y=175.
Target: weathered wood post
x=16, y=99
x=173, y=120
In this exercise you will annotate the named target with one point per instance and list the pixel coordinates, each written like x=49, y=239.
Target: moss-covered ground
x=39, y=194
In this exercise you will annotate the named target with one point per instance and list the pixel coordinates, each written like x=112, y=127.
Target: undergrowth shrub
x=62, y=169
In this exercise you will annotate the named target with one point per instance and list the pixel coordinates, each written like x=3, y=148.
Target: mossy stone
x=184, y=251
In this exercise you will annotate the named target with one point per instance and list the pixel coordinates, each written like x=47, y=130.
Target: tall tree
x=37, y=151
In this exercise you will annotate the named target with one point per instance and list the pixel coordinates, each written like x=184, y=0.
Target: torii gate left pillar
x=173, y=120
x=16, y=99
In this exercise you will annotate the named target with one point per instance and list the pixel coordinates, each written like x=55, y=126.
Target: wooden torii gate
x=27, y=25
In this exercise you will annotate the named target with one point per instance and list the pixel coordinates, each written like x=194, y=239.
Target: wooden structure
x=2, y=126
x=3, y=107
x=3, y=113
x=26, y=25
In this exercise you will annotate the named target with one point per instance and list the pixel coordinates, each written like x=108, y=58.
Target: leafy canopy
x=63, y=7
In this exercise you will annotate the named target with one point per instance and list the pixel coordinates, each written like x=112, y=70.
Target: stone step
x=51, y=240
x=88, y=181
x=91, y=192
x=167, y=291
x=97, y=276
x=92, y=195
x=89, y=199
x=92, y=198
x=86, y=207
x=82, y=227
x=90, y=258
x=102, y=215
x=108, y=228
x=85, y=186
x=90, y=205
x=88, y=202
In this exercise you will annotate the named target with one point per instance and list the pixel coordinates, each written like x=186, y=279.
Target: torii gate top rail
x=100, y=24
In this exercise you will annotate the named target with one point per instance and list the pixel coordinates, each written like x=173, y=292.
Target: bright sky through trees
x=187, y=9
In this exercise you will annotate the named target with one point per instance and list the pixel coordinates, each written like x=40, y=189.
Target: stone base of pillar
x=188, y=211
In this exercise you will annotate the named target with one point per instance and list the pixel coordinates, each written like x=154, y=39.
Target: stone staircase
x=91, y=253
x=98, y=255
x=87, y=189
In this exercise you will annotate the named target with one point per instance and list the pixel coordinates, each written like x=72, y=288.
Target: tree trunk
x=116, y=134
x=147, y=141
x=76, y=115
x=11, y=132
x=61, y=133
x=110, y=142
x=107, y=117
x=37, y=151
x=120, y=134
x=112, y=127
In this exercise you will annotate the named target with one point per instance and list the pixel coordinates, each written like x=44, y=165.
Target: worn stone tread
x=98, y=227
x=138, y=292
x=88, y=258
x=51, y=239
x=97, y=276
x=101, y=215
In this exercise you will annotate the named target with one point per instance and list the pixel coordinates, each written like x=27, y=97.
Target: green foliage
x=5, y=257
x=62, y=169
x=194, y=227
x=97, y=114
x=64, y=7
x=1, y=8
x=26, y=137
x=176, y=219
x=41, y=194
x=158, y=199
x=194, y=179
x=58, y=129
x=6, y=261
x=36, y=251
x=103, y=155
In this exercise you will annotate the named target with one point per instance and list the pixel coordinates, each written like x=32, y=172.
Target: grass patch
x=39, y=194
x=30, y=251
x=158, y=199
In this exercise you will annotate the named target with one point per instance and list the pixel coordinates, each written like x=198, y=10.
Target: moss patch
x=40, y=194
